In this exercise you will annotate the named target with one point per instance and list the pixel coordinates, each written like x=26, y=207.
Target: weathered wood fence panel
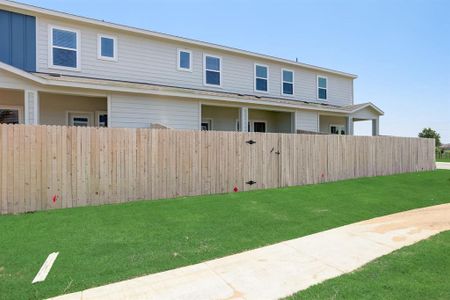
x=45, y=167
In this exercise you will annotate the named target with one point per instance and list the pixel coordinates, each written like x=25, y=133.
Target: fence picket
x=92, y=166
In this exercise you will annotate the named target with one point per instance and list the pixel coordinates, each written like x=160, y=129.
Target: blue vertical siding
x=18, y=40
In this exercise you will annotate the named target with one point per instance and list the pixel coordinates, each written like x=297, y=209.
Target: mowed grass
x=420, y=271
x=443, y=159
x=100, y=245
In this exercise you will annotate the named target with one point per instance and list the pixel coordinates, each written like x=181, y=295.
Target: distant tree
x=432, y=134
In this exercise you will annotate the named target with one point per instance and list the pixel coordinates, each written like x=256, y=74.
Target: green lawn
x=99, y=245
x=420, y=271
x=443, y=159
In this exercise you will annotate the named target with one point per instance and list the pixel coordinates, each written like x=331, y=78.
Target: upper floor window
x=322, y=86
x=212, y=65
x=184, y=60
x=107, y=47
x=261, y=78
x=287, y=81
x=64, y=48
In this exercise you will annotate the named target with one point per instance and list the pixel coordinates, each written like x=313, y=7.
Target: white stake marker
x=43, y=272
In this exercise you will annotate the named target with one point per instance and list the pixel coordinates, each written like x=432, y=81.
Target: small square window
x=184, y=60
x=107, y=47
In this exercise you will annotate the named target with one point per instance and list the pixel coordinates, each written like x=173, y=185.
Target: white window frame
x=317, y=85
x=250, y=125
x=90, y=114
x=210, y=123
x=15, y=107
x=179, y=68
x=97, y=117
x=293, y=82
x=204, y=70
x=99, y=47
x=339, y=127
x=255, y=77
x=50, y=48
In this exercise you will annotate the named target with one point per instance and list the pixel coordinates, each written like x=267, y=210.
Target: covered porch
x=44, y=108
x=343, y=124
x=230, y=118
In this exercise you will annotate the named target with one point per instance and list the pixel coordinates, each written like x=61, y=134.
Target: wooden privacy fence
x=45, y=167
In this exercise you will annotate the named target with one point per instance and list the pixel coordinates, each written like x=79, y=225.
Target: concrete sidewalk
x=282, y=269
x=443, y=165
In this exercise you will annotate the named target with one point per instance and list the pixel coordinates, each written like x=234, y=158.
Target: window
x=287, y=81
x=107, y=47
x=337, y=129
x=259, y=126
x=212, y=65
x=64, y=48
x=322, y=86
x=253, y=126
x=261, y=78
x=102, y=118
x=80, y=119
x=184, y=60
x=206, y=124
x=10, y=114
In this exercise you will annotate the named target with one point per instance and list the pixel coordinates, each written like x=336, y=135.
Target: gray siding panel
x=367, y=113
x=307, y=120
x=135, y=111
x=144, y=59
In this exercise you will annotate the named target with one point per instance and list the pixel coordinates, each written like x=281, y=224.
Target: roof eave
x=173, y=92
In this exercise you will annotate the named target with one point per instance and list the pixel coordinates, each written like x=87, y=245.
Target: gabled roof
x=58, y=80
x=42, y=11
x=358, y=107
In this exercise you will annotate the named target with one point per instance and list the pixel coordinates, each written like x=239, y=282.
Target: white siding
x=12, y=81
x=144, y=59
x=366, y=114
x=134, y=111
x=306, y=120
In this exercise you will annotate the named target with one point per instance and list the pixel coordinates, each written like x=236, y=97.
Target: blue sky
x=399, y=49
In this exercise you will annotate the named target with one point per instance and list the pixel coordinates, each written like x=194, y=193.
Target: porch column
x=349, y=125
x=108, y=111
x=31, y=104
x=243, y=119
x=376, y=127
x=293, y=122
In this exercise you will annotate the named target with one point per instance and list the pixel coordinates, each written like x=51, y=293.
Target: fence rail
x=44, y=167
